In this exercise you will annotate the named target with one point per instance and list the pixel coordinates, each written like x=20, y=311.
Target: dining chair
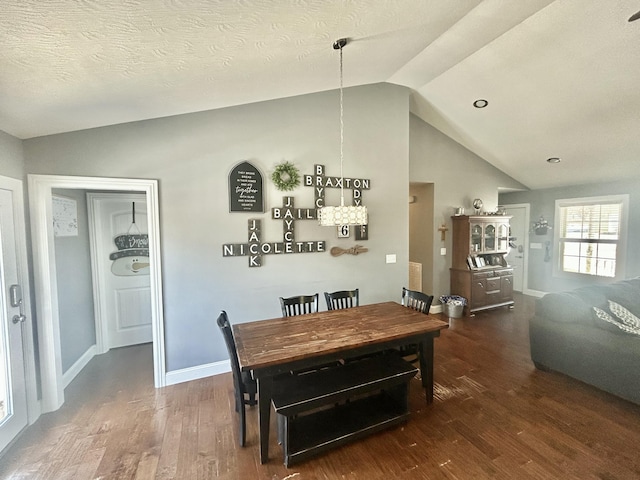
x=342, y=299
x=420, y=302
x=347, y=299
x=299, y=305
x=416, y=300
x=244, y=385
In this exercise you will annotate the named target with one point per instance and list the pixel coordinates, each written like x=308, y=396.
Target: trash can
x=453, y=305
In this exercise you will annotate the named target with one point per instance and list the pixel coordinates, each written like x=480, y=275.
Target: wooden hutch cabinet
x=479, y=270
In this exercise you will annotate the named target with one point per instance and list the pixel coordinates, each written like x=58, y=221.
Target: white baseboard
x=74, y=370
x=194, y=373
x=435, y=309
x=534, y=293
x=171, y=378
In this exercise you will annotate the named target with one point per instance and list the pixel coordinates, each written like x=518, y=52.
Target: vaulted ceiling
x=560, y=77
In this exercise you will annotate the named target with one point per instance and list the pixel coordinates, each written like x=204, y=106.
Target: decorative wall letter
x=320, y=182
x=255, y=248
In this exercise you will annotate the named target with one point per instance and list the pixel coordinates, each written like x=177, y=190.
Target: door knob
x=19, y=318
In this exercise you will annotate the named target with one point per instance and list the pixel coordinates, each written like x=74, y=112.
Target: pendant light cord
x=341, y=133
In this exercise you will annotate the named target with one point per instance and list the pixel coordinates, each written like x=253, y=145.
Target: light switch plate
x=391, y=258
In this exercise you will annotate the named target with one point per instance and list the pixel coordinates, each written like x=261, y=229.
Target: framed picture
x=470, y=262
x=65, y=216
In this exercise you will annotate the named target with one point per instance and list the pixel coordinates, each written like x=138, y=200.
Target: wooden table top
x=266, y=343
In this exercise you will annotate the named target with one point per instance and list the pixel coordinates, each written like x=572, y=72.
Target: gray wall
x=458, y=176
x=543, y=203
x=191, y=156
x=75, y=291
x=11, y=156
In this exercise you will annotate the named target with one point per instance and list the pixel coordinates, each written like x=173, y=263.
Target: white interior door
x=517, y=256
x=119, y=225
x=13, y=394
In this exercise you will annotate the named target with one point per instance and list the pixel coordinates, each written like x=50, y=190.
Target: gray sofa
x=567, y=336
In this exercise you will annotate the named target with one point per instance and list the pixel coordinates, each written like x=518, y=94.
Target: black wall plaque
x=246, y=192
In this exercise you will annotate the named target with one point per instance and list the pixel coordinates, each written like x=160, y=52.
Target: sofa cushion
x=564, y=307
x=628, y=318
x=593, y=295
x=575, y=306
x=627, y=294
x=607, y=319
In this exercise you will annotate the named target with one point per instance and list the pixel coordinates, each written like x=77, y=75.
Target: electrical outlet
x=443, y=251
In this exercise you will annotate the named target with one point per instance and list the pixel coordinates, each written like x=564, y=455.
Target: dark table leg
x=264, y=412
x=426, y=367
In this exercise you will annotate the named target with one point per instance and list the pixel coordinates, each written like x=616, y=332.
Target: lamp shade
x=343, y=215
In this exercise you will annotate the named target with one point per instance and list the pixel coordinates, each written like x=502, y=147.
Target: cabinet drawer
x=479, y=276
x=505, y=272
x=492, y=297
x=493, y=284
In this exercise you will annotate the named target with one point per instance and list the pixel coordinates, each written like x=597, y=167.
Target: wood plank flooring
x=493, y=416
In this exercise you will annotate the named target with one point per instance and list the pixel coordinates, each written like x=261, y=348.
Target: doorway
x=40, y=193
x=421, y=230
x=519, y=244
x=120, y=265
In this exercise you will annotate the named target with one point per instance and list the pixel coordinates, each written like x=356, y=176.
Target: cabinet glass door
x=490, y=238
x=503, y=237
x=476, y=238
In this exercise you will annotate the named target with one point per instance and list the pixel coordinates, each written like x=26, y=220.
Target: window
x=589, y=234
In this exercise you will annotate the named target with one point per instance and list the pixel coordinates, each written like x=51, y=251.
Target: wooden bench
x=330, y=407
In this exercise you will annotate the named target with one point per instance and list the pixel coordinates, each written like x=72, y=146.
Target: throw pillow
x=602, y=318
x=628, y=318
x=602, y=315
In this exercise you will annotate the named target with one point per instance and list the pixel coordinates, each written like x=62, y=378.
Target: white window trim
x=621, y=256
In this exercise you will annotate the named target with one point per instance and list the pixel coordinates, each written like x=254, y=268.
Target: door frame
x=40, y=190
x=525, y=264
x=28, y=344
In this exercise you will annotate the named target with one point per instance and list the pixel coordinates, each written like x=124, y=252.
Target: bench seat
x=329, y=407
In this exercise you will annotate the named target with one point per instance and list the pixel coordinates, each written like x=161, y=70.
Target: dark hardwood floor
x=493, y=416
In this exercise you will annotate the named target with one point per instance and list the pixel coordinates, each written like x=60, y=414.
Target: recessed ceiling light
x=480, y=103
x=553, y=160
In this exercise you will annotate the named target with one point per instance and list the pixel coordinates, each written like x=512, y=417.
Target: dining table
x=272, y=347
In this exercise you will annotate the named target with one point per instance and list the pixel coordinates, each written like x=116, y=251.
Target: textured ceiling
x=561, y=77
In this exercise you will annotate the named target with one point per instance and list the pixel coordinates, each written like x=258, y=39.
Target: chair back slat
x=342, y=299
x=299, y=305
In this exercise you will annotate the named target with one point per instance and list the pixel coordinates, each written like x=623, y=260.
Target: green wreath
x=286, y=177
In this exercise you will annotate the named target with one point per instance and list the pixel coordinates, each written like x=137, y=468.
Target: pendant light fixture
x=342, y=215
